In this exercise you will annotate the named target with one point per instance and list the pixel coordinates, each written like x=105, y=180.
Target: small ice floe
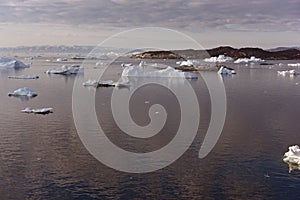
x=24, y=77
x=66, y=70
x=188, y=63
x=252, y=59
x=8, y=63
x=226, y=71
x=62, y=59
x=136, y=71
x=38, y=111
x=126, y=64
x=108, y=83
x=294, y=64
x=23, y=92
x=288, y=72
x=293, y=155
x=220, y=58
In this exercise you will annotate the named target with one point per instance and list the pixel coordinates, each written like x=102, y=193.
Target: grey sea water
x=42, y=157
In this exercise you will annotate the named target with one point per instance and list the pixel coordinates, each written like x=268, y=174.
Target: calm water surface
x=42, y=157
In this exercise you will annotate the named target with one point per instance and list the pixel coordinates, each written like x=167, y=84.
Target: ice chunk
x=38, y=111
x=7, y=63
x=220, y=58
x=108, y=83
x=188, y=63
x=288, y=72
x=65, y=70
x=293, y=155
x=294, y=64
x=23, y=92
x=24, y=77
x=252, y=59
x=62, y=59
x=136, y=71
x=226, y=71
x=126, y=64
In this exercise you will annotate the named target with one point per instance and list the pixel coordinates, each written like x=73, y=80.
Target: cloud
x=193, y=15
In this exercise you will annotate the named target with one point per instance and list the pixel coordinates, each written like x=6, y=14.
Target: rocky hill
x=286, y=54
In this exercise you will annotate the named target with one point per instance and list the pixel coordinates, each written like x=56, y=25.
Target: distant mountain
x=283, y=49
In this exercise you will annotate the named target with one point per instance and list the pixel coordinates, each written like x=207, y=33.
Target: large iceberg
x=66, y=70
x=38, y=111
x=293, y=155
x=226, y=71
x=24, y=77
x=220, y=58
x=137, y=71
x=8, y=63
x=23, y=92
x=252, y=59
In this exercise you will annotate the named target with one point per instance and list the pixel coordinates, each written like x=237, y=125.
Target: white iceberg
x=252, y=59
x=66, y=70
x=62, y=59
x=23, y=92
x=288, y=72
x=226, y=71
x=108, y=83
x=24, y=77
x=294, y=64
x=7, y=63
x=293, y=155
x=135, y=71
x=188, y=63
x=220, y=58
x=38, y=111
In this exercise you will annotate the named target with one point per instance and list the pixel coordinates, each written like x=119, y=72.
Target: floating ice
x=23, y=92
x=108, y=83
x=38, y=111
x=7, y=63
x=65, y=70
x=24, y=77
x=136, y=71
x=294, y=64
x=288, y=72
x=220, y=58
x=252, y=59
x=62, y=59
x=293, y=155
x=226, y=71
x=126, y=64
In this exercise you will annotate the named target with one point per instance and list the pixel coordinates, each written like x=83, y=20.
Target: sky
x=265, y=23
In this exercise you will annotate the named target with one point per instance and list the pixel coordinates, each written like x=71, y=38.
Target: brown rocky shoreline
x=287, y=54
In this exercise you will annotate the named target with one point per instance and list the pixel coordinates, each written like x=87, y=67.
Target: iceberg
x=226, y=71
x=293, y=155
x=24, y=77
x=135, y=71
x=220, y=58
x=65, y=70
x=252, y=59
x=126, y=64
x=38, y=111
x=23, y=92
x=61, y=59
x=108, y=83
x=288, y=72
x=7, y=63
x=294, y=64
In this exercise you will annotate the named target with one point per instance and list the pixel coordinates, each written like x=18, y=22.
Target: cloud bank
x=193, y=15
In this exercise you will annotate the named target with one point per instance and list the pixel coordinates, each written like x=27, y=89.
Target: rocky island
x=285, y=54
